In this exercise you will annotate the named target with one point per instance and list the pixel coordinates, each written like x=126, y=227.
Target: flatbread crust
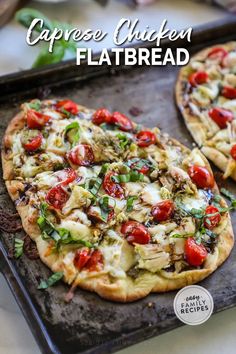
x=197, y=128
x=122, y=290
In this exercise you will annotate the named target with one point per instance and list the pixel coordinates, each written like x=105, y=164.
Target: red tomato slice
x=217, y=53
x=36, y=120
x=68, y=106
x=211, y=221
x=233, y=152
x=163, y=211
x=81, y=155
x=112, y=188
x=198, y=78
x=122, y=122
x=33, y=143
x=145, y=138
x=195, y=254
x=66, y=176
x=201, y=176
x=221, y=116
x=81, y=257
x=102, y=115
x=95, y=261
x=57, y=197
x=135, y=232
x=229, y=92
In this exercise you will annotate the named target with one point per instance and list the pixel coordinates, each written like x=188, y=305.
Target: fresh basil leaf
x=74, y=132
x=130, y=202
x=138, y=164
x=46, y=58
x=124, y=140
x=26, y=15
x=53, y=279
x=106, y=204
x=18, y=247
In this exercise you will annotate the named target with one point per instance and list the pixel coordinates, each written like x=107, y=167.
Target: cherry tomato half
x=163, y=211
x=81, y=155
x=57, y=197
x=233, y=152
x=32, y=140
x=221, y=116
x=229, y=92
x=95, y=261
x=217, y=53
x=195, y=254
x=102, y=115
x=112, y=188
x=145, y=138
x=81, y=257
x=66, y=176
x=68, y=106
x=36, y=120
x=135, y=232
x=198, y=78
x=211, y=221
x=121, y=121
x=201, y=176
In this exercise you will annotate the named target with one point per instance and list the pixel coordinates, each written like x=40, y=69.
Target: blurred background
x=104, y=14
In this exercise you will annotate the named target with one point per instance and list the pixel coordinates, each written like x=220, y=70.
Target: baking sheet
x=89, y=324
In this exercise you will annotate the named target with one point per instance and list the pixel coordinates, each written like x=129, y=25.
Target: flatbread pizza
x=119, y=209
x=206, y=96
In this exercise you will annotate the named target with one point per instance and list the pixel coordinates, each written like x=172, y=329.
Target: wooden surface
x=90, y=323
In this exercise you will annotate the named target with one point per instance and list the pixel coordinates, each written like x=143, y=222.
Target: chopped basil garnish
x=133, y=176
x=18, y=247
x=229, y=196
x=124, y=140
x=73, y=132
x=61, y=236
x=106, y=204
x=130, y=202
x=36, y=105
x=138, y=164
x=53, y=279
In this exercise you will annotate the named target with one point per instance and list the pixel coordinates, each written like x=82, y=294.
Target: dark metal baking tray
x=89, y=324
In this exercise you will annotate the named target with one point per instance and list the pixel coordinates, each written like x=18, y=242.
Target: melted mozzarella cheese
x=196, y=202
x=17, y=148
x=77, y=230
x=151, y=194
x=133, y=188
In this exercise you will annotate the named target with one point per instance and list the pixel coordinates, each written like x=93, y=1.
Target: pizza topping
x=141, y=165
x=121, y=121
x=67, y=106
x=72, y=132
x=53, y=279
x=228, y=92
x=81, y=155
x=163, y=211
x=81, y=257
x=112, y=188
x=32, y=140
x=66, y=176
x=95, y=262
x=36, y=120
x=195, y=254
x=135, y=232
x=198, y=78
x=212, y=217
x=201, y=176
x=217, y=53
x=145, y=138
x=221, y=116
x=102, y=115
x=57, y=197
x=233, y=152
x=132, y=176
